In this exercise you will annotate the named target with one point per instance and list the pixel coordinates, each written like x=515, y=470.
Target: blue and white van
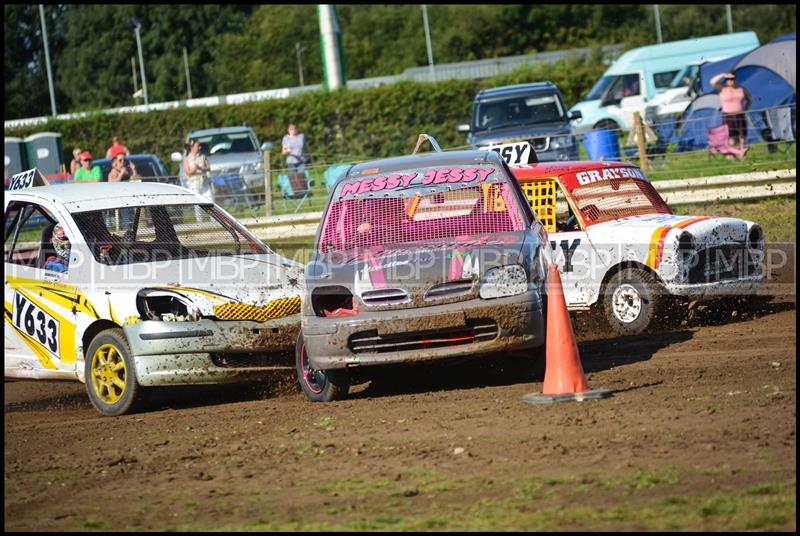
x=642, y=73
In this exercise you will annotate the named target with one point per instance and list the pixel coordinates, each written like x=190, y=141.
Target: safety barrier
x=726, y=188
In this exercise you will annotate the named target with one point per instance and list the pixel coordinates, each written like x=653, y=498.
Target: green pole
x=331, y=47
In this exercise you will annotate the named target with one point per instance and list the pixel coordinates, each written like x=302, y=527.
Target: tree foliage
x=238, y=48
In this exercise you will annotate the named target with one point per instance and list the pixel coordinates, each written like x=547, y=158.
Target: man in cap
x=87, y=172
x=60, y=261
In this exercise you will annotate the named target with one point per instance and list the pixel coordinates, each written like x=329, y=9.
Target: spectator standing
x=87, y=172
x=295, y=149
x=731, y=95
x=121, y=168
x=116, y=145
x=76, y=161
x=196, y=167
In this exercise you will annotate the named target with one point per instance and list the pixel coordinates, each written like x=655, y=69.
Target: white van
x=642, y=73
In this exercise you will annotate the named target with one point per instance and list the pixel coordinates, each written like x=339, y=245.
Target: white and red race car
x=622, y=251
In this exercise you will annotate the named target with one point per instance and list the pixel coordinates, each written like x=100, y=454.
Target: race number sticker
x=26, y=179
x=513, y=153
x=39, y=325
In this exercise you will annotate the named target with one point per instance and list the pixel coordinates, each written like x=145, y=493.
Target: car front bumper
x=728, y=287
x=457, y=329
x=210, y=351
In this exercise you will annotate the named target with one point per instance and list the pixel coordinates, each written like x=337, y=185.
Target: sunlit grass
x=540, y=504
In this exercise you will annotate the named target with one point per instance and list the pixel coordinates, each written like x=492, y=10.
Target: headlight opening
x=503, y=281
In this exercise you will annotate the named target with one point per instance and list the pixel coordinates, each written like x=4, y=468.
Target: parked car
x=149, y=168
x=420, y=257
x=624, y=254
x=235, y=156
x=135, y=299
x=639, y=75
x=524, y=112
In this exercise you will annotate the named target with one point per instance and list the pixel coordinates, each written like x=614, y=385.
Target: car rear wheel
x=319, y=385
x=110, y=376
x=631, y=300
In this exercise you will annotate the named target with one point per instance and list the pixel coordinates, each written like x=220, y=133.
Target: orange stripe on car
x=656, y=250
x=687, y=223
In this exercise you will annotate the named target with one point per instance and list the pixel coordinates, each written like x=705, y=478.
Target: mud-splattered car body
x=194, y=296
x=423, y=257
x=619, y=223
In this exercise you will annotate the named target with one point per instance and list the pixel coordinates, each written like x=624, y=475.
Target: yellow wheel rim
x=108, y=374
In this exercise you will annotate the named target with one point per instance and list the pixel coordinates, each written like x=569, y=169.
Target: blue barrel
x=601, y=144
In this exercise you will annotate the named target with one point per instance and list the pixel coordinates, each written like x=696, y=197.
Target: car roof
x=513, y=90
x=552, y=169
x=221, y=130
x=99, y=195
x=569, y=176
x=416, y=161
x=140, y=156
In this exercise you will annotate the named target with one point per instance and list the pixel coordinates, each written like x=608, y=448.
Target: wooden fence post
x=640, y=141
x=267, y=184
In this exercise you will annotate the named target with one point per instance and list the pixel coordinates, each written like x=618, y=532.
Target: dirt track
x=699, y=416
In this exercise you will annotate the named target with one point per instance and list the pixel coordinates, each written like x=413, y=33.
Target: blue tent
x=710, y=69
x=768, y=73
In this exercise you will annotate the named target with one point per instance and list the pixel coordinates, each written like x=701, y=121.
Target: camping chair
x=294, y=186
x=719, y=143
x=334, y=173
x=231, y=188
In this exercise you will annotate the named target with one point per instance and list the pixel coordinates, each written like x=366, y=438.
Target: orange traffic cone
x=564, y=379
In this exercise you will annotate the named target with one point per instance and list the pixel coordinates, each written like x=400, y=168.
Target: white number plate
x=31, y=319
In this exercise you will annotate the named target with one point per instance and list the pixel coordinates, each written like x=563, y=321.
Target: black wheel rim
x=314, y=379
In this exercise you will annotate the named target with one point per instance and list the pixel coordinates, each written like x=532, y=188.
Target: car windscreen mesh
x=618, y=198
x=127, y=235
x=434, y=215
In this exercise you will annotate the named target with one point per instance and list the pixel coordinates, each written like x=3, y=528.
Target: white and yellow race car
x=127, y=286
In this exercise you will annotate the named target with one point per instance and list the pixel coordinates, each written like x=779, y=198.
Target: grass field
x=671, y=165
x=777, y=216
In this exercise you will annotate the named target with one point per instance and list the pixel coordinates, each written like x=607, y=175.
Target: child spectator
x=87, y=172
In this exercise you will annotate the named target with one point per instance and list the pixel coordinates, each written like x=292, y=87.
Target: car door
x=572, y=253
x=40, y=303
x=624, y=96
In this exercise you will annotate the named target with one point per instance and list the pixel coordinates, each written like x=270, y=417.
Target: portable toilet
x=44, y=152
x=14, y=158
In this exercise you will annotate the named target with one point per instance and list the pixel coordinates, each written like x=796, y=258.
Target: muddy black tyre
x=319, y=385
x=631, y=300
x=110, y=375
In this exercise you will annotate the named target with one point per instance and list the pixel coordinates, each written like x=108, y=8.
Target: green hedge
x=345, y=125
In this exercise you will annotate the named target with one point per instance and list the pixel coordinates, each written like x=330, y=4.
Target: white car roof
x=81, y=197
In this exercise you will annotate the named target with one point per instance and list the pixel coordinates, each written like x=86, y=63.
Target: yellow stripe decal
x=66, y=296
